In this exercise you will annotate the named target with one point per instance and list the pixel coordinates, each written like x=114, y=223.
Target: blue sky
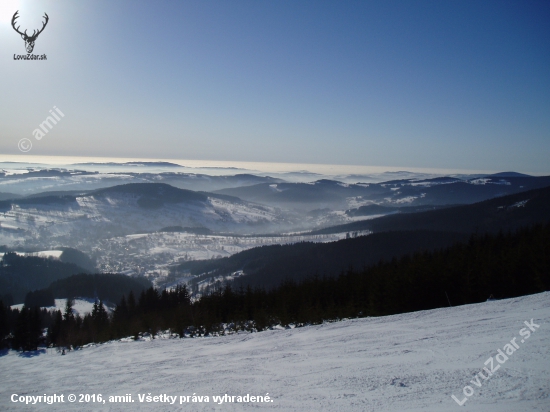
x=457, y=84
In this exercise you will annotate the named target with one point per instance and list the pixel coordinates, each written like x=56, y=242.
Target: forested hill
x=104, y=286
x=502, y=265
x=502, y=213
x=268, y=266
x=21, y=274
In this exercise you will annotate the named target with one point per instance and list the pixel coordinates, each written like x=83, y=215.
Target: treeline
x=68, y=329
x=502, y=265
x=103, y=286
x=23, y=329
x=21, y=274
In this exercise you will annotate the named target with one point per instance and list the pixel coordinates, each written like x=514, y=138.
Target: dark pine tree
x=55, y=330
x=28, y=329
x=100, y=320
x=69, y=330
x=4, y=326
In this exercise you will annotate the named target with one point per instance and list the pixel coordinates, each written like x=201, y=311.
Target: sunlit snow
x=408, y=362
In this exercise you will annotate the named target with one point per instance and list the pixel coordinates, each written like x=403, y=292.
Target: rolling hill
x=127, y=209
x=22, y=274
x=404, y=192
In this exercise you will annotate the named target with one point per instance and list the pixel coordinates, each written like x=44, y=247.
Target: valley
x=150, y=219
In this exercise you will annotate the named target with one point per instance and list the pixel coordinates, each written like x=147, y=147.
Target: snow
x=81, y=306
x=12, y=172
x=148, y=254
x=8, y=226
x=520, y=204
x=480, y=181
x=483, y=181
x=368, y=217
x=407, y=199
x=433, y=183
x=43, y=254
x=407, y=362
x=137, y=236
x=47, y=253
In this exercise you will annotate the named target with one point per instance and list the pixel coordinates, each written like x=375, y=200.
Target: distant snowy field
x=81, y=306
x=408, y=362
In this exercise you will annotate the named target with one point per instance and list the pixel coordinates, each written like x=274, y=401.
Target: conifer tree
x=54, y=331
x=4, y=327
x=35, y=328
x=131, y=303
x=69, y=330
x=100, y=319
x=21, y=331
x=68, y=314
x=121, y=311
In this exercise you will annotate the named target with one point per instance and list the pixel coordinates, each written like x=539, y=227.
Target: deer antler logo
x=29, y=40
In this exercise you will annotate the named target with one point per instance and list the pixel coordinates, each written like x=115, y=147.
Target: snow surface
x=81, y=306
x=520, y=204
x=46, y=253
x=407, y=362
x=43, y=253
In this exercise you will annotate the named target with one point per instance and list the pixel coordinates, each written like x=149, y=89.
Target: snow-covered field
x=81, y=306
x=409, y=362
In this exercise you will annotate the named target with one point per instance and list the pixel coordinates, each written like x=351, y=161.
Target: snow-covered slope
x=409, y=362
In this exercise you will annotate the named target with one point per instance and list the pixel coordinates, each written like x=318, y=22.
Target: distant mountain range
x=396, y=193
x=138, y=164
x=405, y=192
x=141, y=227
x=63, y=217
x=34, y=181
x=397, y=188
x=509, y=174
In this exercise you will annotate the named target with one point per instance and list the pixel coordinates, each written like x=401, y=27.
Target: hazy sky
x=457, y=84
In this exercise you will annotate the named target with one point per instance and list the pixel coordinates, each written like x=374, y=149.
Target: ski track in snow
x=407, y=362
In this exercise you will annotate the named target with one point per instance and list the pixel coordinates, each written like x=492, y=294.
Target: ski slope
x=408, y=362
